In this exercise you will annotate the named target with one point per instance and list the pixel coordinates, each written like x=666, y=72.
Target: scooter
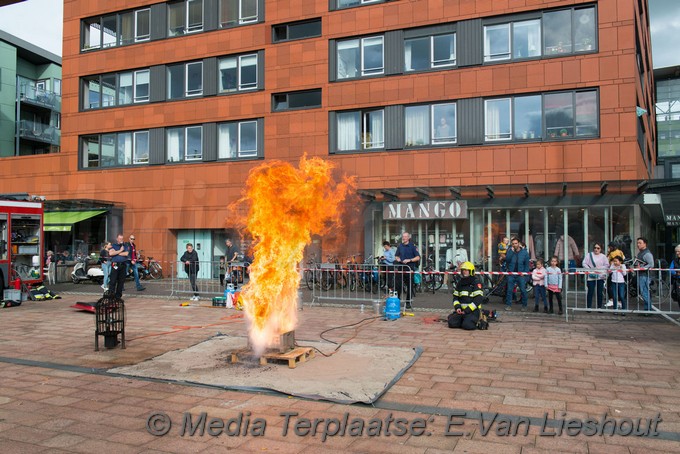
x=82, y=273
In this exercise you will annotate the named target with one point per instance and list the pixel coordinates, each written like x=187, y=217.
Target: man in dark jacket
x=467, y=299
x=190, y=260
x=517, y=261
x=132, y=263
x=119, y=253
x=407, y=254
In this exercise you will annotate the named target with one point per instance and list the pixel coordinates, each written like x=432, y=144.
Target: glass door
x=25, y=241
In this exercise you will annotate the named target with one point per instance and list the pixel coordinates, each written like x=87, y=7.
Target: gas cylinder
x=392, y=307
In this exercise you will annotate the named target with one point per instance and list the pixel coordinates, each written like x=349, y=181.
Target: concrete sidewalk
x=56, y=396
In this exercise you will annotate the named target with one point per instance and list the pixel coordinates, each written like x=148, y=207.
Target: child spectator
x=502, y=251
x=538, y=276
x=554, y=283
x=222, y=270
x=618, y=271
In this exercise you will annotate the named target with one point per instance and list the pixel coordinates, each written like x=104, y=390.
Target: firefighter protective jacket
x=468, y=295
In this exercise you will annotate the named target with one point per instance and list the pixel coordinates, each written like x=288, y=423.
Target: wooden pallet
x=242, y=353
x=295, y=356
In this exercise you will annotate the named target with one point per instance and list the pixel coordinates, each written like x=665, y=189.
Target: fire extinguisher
x=17, y=284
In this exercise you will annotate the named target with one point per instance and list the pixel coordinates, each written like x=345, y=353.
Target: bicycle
x=312, y=273
x=367, y=278
x=148, y=267
x=352, y=271
x=332, y=275
x=497, y=285
x=664, y=286
x=431, y=279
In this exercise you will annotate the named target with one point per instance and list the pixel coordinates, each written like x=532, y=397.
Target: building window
x=238, y=12
x=140, y=153
x=119, y=29
x=141, y=92
x=296, y=30
x=57, y=87
x=526, y=39
x=361, y=130
x=109, y=90
x=528, y=117
x=430, y=125
x=238, y=139
x=569, y=31
x=497, y=119
x=115, y=149
x=497, y=42
x=184, y=144
x=360, y=57
x=306, y=99
x=185, y=80
x=551, y=116
x=675, y=171
x=142, y=25
x=351, y=3
x=430, y=52
x=524, y=35
x=559, y=115
x=185, y=17
x=564, y=31
x=237, y=73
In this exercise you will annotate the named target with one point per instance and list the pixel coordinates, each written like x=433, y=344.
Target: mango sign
x=442, y=209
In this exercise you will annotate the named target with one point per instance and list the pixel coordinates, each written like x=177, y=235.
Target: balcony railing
x=40, y=97
x=40, y=132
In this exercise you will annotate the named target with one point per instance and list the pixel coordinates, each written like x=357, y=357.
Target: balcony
x=39, y=132
x=39, y=97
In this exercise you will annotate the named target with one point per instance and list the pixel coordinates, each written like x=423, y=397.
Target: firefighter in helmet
x=467, y=299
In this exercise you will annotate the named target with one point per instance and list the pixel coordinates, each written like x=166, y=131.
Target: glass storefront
x=539, y=228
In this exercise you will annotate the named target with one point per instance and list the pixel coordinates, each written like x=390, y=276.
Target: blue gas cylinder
x=229, y=295
x=392, y=307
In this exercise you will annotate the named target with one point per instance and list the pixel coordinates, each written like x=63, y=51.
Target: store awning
x=61, y=221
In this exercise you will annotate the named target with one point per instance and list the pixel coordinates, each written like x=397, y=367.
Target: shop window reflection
x=596, y=228
x=622, y=229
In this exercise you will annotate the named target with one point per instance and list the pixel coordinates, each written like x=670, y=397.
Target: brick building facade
x=523, y=110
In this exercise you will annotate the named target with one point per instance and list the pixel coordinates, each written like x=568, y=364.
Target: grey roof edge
x=30, y=51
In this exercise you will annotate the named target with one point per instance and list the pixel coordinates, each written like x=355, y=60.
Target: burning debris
x=285, y=206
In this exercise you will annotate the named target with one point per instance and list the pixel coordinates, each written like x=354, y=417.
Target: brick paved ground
x=55, y=398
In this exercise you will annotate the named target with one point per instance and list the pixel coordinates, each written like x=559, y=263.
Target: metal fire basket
x=109, y=322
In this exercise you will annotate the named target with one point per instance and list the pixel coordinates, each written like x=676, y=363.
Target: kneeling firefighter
x=467, y=299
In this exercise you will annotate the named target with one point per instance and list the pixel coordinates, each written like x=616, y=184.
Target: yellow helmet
x=467, y=266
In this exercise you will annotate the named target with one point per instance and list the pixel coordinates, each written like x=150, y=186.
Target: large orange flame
x=285, y=207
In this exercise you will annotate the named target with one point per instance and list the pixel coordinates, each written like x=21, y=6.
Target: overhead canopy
x=61, y=221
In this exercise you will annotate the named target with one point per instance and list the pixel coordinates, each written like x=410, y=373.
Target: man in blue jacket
x=407, y=254
x=516, y=260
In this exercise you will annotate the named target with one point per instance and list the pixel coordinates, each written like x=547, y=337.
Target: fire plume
x=285, y=207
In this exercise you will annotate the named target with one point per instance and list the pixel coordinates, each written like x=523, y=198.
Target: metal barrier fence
x=363, y=282
x=207, y=281
x=655, y=285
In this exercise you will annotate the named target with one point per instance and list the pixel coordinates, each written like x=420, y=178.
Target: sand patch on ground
x=356, y=373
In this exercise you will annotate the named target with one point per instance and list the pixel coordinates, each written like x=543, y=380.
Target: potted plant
x=525, y=135
x=563, y=133
x=588, y=44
